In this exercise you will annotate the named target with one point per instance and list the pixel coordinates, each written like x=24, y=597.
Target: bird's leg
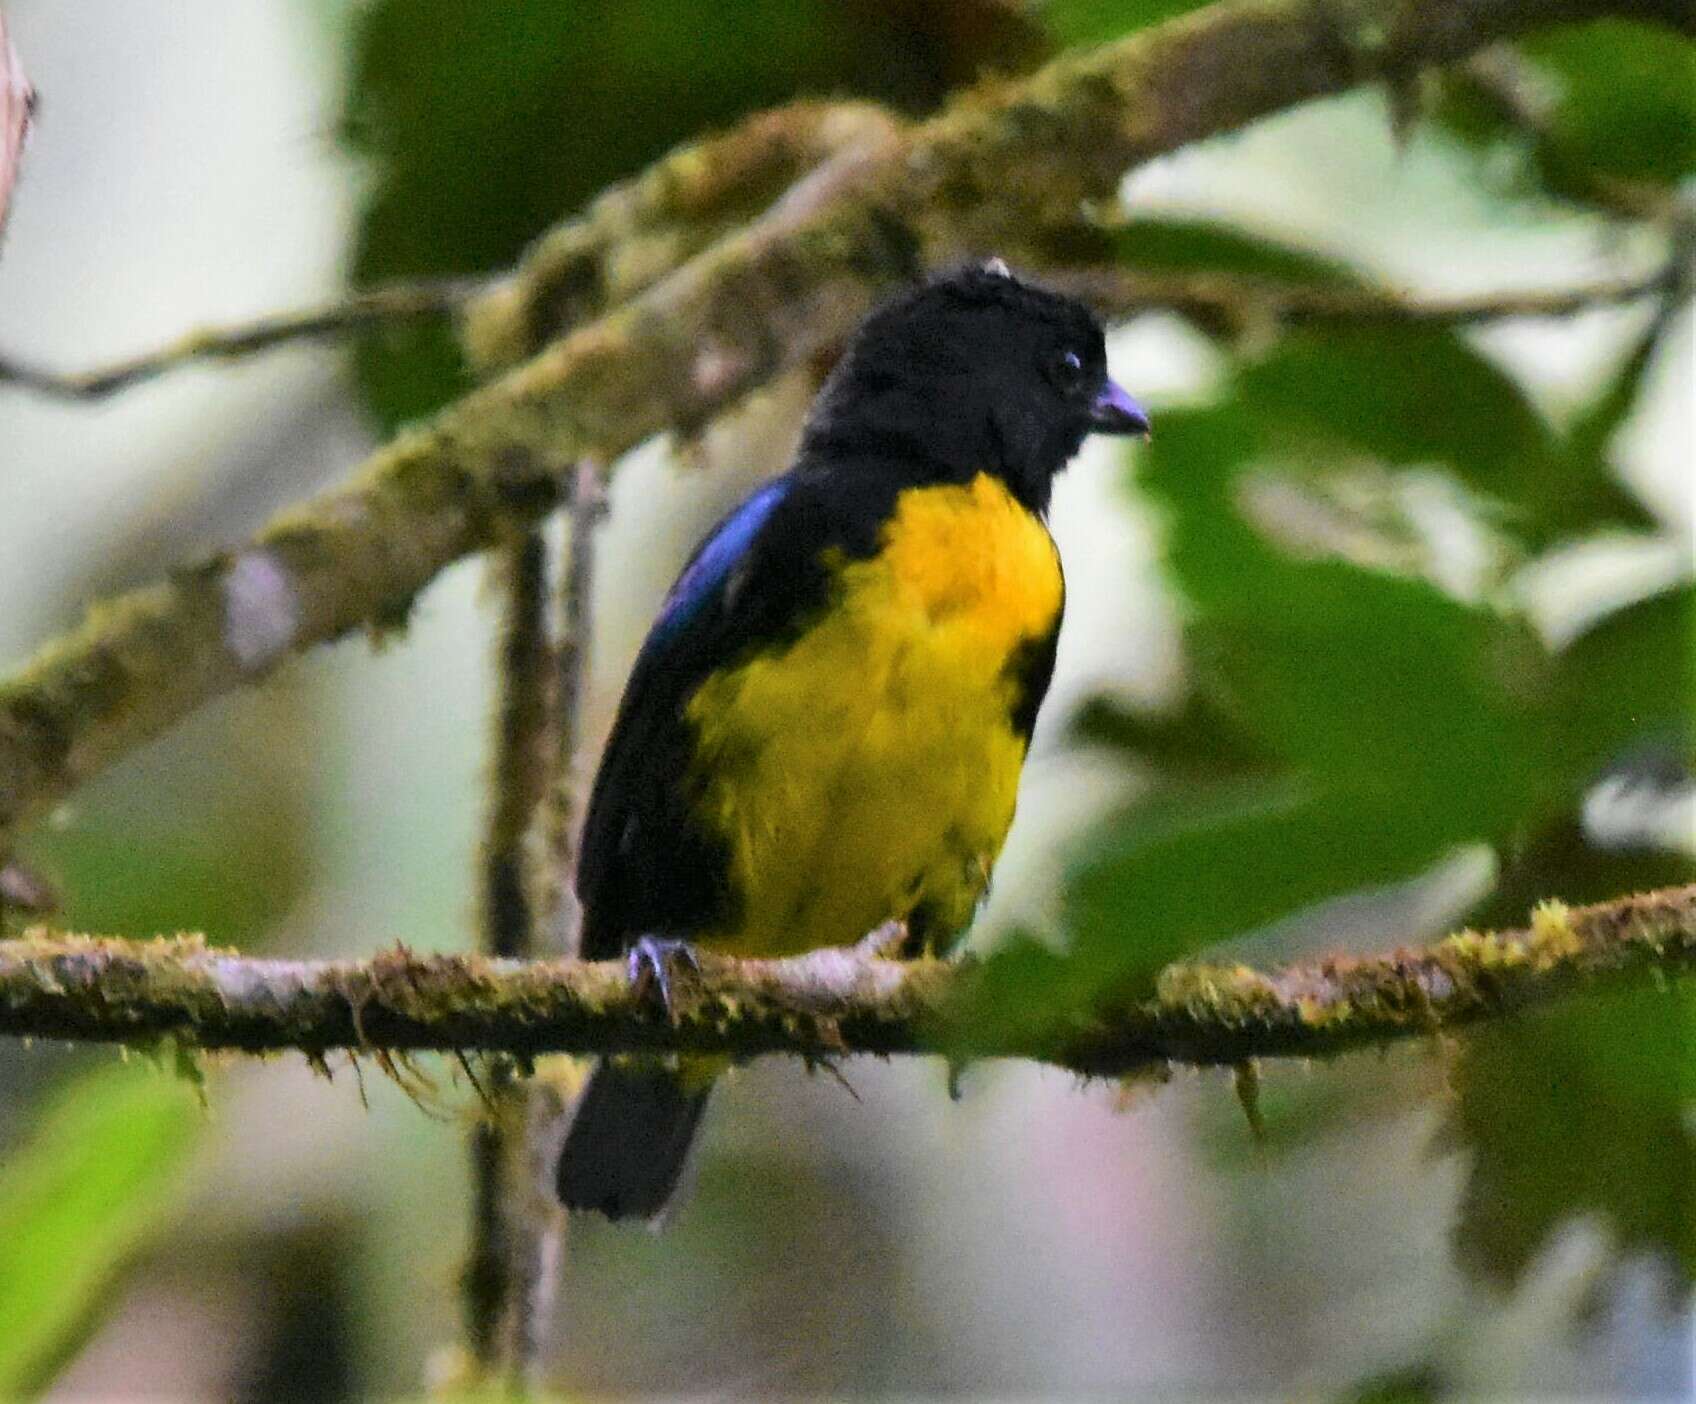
x=649, y=962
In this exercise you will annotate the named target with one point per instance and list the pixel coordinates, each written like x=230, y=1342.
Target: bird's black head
x=976, y=371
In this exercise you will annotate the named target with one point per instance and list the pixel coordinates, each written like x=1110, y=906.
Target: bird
x=824, y=730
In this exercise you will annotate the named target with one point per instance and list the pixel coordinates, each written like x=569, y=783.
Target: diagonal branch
x=993, y=171
x=823, y=1005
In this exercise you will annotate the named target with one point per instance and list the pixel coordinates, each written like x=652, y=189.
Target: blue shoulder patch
x=717, y=557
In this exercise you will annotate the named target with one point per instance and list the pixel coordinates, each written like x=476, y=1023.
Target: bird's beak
x=1115, y=412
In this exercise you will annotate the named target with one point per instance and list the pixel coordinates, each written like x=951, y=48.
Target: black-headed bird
x=824, y=731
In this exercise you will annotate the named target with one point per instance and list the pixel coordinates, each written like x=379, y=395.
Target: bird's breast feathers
x=867, y=768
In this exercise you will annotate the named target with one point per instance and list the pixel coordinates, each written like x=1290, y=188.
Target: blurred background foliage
x=1389, y=628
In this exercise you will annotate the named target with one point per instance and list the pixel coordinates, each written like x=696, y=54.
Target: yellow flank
x=871, y=766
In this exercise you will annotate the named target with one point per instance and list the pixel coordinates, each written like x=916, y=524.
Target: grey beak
x=1115, y=412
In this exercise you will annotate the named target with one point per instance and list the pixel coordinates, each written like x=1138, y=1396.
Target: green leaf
x=1611, y=103
x=1405, y=397
x=1197, y=740
x=1582, y=1110
x=1411, y=396
x=1629, y=677
x=1348, y=675
x=1560, y=859
x=1625, y=101
x=1173, y=245
x=1589, y=491
x=1416, y=1384
x=78, y=1200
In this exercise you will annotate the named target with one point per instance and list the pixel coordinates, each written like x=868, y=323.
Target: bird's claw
x=889, y=941
x=649, y=963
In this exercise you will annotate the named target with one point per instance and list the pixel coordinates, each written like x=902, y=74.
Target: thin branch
x=527, y=297
x=822, y=1005
x=397, y=302
x=571, y=654
x=499, y=1232
x=1234, y=304
x=535, y=1262
x=992, y=172
x=523, y=745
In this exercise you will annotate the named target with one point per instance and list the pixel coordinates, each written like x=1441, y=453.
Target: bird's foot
x=650, y=962
x=890, y=941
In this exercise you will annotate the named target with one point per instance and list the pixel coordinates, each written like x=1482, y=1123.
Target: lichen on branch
x=823, y=1005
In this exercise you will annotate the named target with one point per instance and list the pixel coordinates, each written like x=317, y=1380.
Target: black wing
x=1032, y=669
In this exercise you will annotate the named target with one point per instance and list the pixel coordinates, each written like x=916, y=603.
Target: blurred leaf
x=77, y=1202
x=1197, y=740
x=1417, y=1384
x=210, y=829
x=1561, y=860
x=1610, y=102
x=1625, y=101
x=1630, y=676
x=1297, y=1106
x=485, y=124
x=1165, y=244
x=1593, y=429
x=1349, y=675
x=1411, y=396
x=1079, y=23
x=1590, y=491
x=1581, y=1110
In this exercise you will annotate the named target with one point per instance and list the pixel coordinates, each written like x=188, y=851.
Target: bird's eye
x=1068, y=370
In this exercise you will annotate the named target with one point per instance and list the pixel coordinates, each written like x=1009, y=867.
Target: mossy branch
x=1000, y=169
x=823, y=1005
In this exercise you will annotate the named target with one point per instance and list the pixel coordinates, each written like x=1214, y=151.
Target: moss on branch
x=995, y=170
x=818, y=1006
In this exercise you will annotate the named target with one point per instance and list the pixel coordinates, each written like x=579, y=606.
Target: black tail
x=628, y=1142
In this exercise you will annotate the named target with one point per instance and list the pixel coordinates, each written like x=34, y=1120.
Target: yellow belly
x=870, y=767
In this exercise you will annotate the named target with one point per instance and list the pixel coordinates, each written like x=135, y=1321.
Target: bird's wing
x=645, y=864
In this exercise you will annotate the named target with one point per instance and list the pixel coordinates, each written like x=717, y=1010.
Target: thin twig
x=571, y=654
x=536, y=1261
x=399, y=302
x=521, y=743
x=1232, y=303
x=823, y=1005
x=1219, y=299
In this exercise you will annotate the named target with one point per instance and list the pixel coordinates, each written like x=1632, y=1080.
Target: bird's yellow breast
x=869, y=767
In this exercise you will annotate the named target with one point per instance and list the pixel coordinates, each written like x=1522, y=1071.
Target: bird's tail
x=630, y=1137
